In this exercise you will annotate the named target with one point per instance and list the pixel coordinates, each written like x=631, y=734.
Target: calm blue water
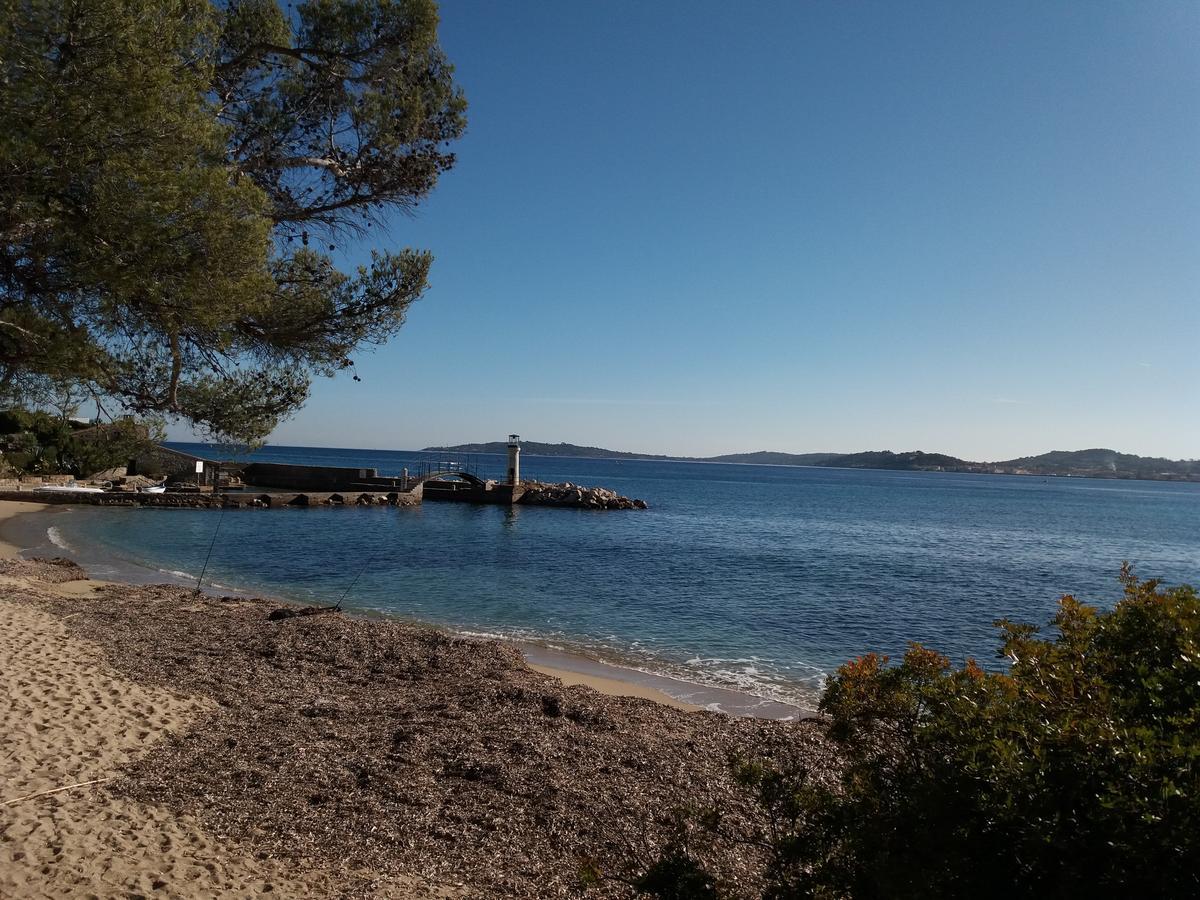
x=753, y=577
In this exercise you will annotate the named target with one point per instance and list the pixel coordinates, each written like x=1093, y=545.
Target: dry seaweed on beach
x=57, y=570
x=397, y=749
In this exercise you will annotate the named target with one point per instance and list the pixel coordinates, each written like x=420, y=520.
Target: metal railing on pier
x=484, y=467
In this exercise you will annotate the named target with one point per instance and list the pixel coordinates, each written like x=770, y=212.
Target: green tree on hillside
x=173, y=176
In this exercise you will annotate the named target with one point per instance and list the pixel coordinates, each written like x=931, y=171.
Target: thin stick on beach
x=57, y=790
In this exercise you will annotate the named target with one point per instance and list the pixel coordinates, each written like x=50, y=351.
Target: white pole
x=514, y=459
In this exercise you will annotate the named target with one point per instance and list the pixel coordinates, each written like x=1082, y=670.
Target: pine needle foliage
x=174, y=176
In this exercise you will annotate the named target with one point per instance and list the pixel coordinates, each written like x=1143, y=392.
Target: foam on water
x=55, y=537
x=176, y=573
x=772, y=685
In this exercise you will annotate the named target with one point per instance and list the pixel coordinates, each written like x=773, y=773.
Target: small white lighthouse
x=514, y=459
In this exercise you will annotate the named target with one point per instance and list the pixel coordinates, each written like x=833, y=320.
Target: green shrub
x=46, y=444
x=1074, y=773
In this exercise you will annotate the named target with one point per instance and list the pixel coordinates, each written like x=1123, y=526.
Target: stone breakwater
x=247, y=500
x=534, y=493
x=576, y=496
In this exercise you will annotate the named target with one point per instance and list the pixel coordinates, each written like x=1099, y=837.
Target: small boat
x=67, y=489
x=153, y=489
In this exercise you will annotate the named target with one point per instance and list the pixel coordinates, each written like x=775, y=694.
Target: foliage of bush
x=43, y=444
x=1076, y=772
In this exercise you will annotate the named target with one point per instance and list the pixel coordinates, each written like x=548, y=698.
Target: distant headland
x=1094, y=463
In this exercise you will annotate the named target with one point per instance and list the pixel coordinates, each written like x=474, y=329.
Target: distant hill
x=533, y=448
x=1101, y=463
x=886, y=459
x=771, y=458
x=1096, y=463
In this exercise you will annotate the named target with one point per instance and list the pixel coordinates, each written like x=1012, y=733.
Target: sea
x=757, y=579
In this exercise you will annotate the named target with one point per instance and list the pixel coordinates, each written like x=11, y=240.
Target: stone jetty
x=236, y=500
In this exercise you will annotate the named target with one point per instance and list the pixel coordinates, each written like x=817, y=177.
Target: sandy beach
x=72, y=724
x=206, y=750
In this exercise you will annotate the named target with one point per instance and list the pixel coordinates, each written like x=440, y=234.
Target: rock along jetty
x=573, y=495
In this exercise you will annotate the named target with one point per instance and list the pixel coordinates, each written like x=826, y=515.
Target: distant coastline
x=1093, y=463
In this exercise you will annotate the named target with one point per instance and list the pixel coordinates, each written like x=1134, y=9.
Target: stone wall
x=159, y=460
x=240, y=500
x=29, y=482
x=316, y=478
x=469, y=492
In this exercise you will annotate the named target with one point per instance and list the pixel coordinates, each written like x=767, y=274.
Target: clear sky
x=699, y=228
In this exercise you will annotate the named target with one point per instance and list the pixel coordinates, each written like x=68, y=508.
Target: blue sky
x=701, y=228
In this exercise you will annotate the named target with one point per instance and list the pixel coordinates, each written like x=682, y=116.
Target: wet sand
x=10, y=509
